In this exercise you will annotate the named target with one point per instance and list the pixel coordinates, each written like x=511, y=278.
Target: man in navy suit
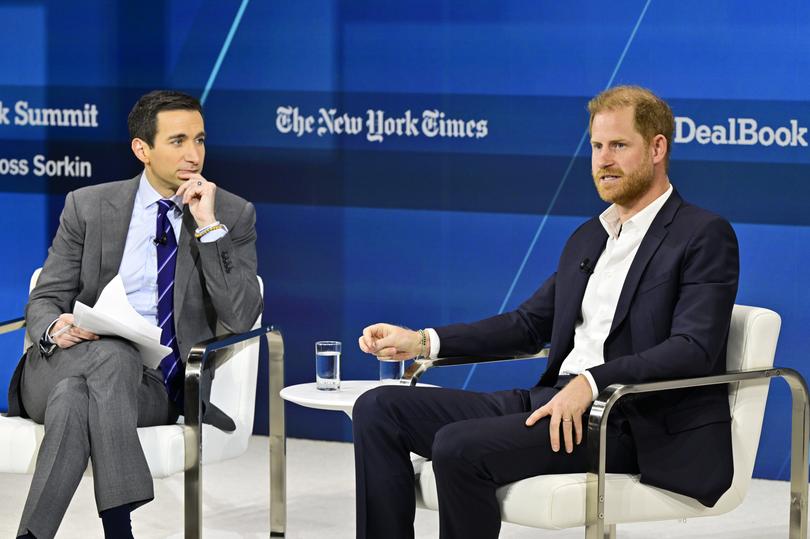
x=642, y=292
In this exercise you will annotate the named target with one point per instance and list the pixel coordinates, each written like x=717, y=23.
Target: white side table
x=341, y=400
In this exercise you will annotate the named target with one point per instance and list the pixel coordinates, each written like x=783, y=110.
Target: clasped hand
x=65, y=333
x=389, y=342
x=565, y=410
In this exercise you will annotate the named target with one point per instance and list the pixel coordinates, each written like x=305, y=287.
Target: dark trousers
x=477, y=442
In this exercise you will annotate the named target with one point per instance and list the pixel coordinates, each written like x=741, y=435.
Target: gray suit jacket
x=214, y=282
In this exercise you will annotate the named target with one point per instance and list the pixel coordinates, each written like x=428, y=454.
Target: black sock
x=116, y=522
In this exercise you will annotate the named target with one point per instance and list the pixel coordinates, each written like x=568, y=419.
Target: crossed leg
x=91, y=398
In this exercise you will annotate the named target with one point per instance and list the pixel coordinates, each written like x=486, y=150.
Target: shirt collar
x=640, y=221
x=148, y=196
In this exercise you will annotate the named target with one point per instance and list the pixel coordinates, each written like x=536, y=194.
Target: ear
x=141, y=150
x=658, y=148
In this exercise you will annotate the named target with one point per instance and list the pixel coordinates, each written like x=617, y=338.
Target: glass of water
x=391, y=371
x=327, y=365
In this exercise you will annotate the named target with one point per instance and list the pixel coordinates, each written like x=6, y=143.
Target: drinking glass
x=391, y=372
x=327, y=365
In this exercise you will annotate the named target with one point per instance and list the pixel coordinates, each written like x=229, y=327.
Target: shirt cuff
x=594, y=389
x=46, y=344
x=219, y=231
x=47, y=336
x=434, y=343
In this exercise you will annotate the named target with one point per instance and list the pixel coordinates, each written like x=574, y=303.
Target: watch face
x=45, y=347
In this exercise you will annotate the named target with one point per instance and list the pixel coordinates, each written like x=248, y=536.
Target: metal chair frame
x=595, y=527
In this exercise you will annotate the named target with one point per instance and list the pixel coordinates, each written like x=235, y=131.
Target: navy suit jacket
x=671, y=321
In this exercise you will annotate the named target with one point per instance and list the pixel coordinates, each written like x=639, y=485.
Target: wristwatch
x=46, y=346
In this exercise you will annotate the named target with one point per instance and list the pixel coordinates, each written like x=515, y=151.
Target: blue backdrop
x=418, y=162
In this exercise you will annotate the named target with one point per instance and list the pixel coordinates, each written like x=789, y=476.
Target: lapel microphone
x=161, y=240
x=585, y=266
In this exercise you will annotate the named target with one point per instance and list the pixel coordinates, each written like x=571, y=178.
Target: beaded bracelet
x=209, y=228
x=204, y=229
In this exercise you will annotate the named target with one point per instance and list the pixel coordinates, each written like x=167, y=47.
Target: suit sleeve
x=229, y=269
x=701, y=315
x=520, y=332
x=58, y=282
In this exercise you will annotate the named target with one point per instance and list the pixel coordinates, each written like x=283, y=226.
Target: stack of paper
x=113, y=315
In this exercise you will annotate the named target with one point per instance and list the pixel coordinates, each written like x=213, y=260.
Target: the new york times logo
x=378, y=125
x=739, y=131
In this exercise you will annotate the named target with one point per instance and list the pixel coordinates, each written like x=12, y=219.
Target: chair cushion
x=163, y=446
x=164, y=450
x=558, y=501
x=19, y=444
x=234, y=391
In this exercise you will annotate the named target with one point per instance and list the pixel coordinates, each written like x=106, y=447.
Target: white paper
x=113, y=315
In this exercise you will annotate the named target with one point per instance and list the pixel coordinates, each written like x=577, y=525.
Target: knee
x=452, y=447
x=376, y=407
x=367, y=407
x=116, y=359
x=68, y=399
x=376, y=402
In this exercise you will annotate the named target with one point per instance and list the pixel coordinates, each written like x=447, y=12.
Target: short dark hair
x=142, y=119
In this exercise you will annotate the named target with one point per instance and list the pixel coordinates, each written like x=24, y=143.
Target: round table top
x=341, y=399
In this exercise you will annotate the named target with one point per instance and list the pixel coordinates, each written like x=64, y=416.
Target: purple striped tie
x=166, y=244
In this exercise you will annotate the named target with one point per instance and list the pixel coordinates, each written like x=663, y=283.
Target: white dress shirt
x=603, y=289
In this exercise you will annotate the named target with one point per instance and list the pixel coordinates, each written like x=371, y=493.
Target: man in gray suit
x=92, y=393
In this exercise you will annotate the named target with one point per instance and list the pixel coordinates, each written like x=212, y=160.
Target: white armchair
x=599, y=501
x=171, y=449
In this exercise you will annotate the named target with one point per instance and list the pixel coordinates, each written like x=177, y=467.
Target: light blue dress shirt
x=138, y=268
x=139, y=264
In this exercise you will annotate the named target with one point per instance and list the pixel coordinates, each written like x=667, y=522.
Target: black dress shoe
x=217, y=418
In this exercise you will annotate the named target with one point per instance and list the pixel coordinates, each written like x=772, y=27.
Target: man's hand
x=389, y=342
x=567, y=408
x=71, y=334
x=200, y=195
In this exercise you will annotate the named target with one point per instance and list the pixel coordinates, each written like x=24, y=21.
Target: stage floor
x=320, y=504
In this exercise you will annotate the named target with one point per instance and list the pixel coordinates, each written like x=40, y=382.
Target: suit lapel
x=187, y=255
x=649, y=245
x=116, y=214
x=574, y=280
x=580, y=275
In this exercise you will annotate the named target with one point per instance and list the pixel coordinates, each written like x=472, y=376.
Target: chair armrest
x=218, y=350
x=211, y=353
x=12, y=325
x=420, y=366
x=597, y=430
